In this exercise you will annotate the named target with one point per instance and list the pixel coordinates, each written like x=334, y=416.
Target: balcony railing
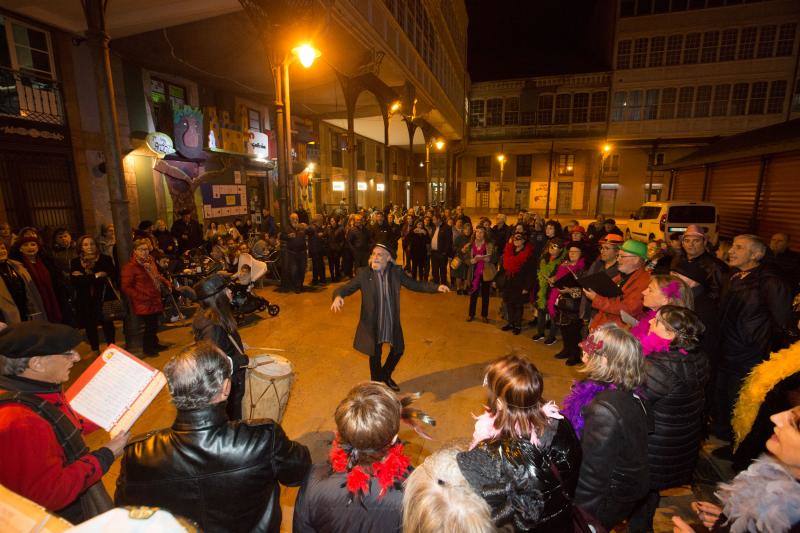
x=30, y=97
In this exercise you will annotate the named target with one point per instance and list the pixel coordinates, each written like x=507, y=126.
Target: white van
x=657, y=220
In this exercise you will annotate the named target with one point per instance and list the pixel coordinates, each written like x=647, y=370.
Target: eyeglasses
x=627, y=256
x=609, y=247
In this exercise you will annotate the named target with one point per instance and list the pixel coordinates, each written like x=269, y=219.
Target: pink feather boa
x=484, y=425
x=651, y=343
x=563, y=269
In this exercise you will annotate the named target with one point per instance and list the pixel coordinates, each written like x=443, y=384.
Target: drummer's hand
x=443, y=288
x=337, y=304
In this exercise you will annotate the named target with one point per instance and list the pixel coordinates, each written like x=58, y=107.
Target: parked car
x=657, y=220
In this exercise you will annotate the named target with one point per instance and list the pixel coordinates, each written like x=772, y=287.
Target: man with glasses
x=43, y=454
x=607, y=262
x=632, y=279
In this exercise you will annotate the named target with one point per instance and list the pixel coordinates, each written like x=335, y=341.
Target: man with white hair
x=379, y=323
x=222, y=474
x=755, y=312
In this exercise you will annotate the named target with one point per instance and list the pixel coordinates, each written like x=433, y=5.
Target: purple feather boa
x=581, y=394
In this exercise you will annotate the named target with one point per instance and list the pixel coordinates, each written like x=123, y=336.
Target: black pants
x=297, y=269
x=318, y=268
x=641, y=520
x=335, y=265
x=514, y=310
x=571, y=334
x=726, y=392
x=347, y=262
x=541, y=322
x=109, y=331
x=439, y=268
x=361, y=259
x=483, y=292
x=234, y=405
x=418, y=267
x=150, y=335
x=378, y=372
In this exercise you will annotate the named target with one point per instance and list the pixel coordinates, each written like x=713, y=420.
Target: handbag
x=113, y=309
x=489, y=271
x=455, y=263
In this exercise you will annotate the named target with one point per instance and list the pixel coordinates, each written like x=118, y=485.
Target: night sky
x=519, y=38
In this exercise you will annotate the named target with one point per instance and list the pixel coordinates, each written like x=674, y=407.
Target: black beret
x=209, y=286
x=389, y=248
x=36, y=338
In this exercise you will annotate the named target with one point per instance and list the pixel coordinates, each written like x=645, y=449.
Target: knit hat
x=37, y=338
x=636, y=248
x=23, y=240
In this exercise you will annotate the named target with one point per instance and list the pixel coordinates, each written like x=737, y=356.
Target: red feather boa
x=512, y=262
x=387, y=471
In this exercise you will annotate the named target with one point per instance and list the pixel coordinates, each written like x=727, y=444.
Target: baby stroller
x=243, y=301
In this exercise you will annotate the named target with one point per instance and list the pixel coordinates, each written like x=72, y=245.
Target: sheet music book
x=115, y=390
x=602, y=284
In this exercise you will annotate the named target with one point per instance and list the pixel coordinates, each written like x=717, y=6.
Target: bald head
x=779, y=243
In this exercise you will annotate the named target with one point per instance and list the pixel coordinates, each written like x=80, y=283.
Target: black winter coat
x=528, y=475
x=223, y=475
x=418, y=244
x=714, y=268
x=324, y=506
x=755, y=311
x=189, y=235
x=317, y=240
x=367, y=330
x=444, y=240
x=523, y=280
x=614, y=474
x=335, y=238
x=675, y=389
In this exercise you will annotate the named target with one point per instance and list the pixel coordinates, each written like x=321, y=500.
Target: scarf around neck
x=513, y=260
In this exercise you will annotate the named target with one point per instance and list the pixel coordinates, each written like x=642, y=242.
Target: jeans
x=150, y=337
x=318, y=268
x=541, y=322
x=439, y=268
x=378, y=372
x=483, y=292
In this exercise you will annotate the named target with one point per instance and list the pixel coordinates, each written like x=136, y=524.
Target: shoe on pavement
x=470, y=318
x=517, y=331
x=562, y=355
x=573, y=362
x=538, y=337
x=549, y=341
x=507, y=327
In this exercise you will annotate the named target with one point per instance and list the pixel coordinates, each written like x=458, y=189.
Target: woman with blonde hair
x=524, y=455
x=662, y=290
x=614, y=473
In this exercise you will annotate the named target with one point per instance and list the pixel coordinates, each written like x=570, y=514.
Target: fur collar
x=765, y=498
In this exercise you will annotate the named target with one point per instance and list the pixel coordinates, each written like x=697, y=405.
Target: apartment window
x=747, y=43
x=627, y=8
x=644, y=7
x=786, y=35
x=633, y=105
x=727, y=46
x=511, y=113
x=524, y=165
x=618, y=109
x=691, y=49
x=563, y=105
x=336, y=149
x=545, y=110
x=253, y=119
x=598, y=109
x=674, y=46
x=494, y=112
x=611, y=164
x=758, y=98
x=378, y=158
x=766, y=41
x=624, y=54
x=685, y=97
x=476, y=113
x=165, y=97
x=651, y=104
x=527, y=118
x=361, y=156
x=702, y=104
x=722, y=94
x=483, y=166
x=639, y=53
x=566, y=164
x=657, y=160
x=564, y=198
x=656, y=58
x=31, y=48
x=710, y=47
x=777, y=94
x=580, y=108
x=668, y=98
x=739, y=98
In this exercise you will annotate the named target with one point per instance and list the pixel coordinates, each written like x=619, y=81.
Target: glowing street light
x=606, y=148
x=439, y=144
x=306, y=53
x=396, y=106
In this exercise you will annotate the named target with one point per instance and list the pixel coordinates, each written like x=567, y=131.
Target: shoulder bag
x=112, y=309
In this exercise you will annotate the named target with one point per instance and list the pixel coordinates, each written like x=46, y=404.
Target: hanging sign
x=258, y=144
x=160, y=143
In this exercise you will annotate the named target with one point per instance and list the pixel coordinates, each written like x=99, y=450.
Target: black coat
x=189, y=235
x=755, y=311
x=317, y=240
x=367, y=330
x=91, y=291
x=714, y=269
x=523, y=280
x=500, y=236
x=223, y=475
x=444, y=241
x=614, y=474
x=515, y=463
x=166, y=242
x=675, y=389
x=418, y=244
x=335, y=236
x=324, y=506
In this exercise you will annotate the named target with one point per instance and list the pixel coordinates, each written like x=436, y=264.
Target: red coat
x=142, y=292
x=33, y=463
x=631, y=301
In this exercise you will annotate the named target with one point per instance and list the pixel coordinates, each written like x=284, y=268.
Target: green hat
x=636, y=248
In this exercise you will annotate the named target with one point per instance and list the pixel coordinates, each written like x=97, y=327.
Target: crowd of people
x=675, y=356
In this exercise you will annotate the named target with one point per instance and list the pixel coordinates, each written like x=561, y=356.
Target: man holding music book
x=42, y=453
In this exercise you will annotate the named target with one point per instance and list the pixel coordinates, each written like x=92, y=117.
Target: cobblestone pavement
x=444, y=359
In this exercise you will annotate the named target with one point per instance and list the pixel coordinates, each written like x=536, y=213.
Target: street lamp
x=605, y=151
x=306, y=54
x=502, y=160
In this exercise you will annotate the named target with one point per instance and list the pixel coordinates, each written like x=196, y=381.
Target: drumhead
x=280, y=367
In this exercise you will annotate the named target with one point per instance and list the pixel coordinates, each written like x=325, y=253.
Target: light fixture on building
x=439, y=144
x=380, y=187
x=362, y=185
x=396, y=106
x=338, y=185
x=306, y=53
x=421, y=164
x=606, y=148
x=569, y=168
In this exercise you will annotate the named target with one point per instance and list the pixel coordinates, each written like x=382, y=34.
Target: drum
x=267, y=386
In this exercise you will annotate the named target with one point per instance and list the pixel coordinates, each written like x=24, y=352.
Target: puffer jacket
x=755, y=311
x=675, y=389
x=512, y=471
x=223, y=475
x=614, y=474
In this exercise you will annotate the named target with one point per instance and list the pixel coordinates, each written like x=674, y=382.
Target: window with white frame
x=476, y=113
x=563, y=105
x=766, y=41
x=26, y=48
x=777, y=95
x=494, y=112
x=545, y=109
x=674, y=47
x=747, y=43
x=657, y=46
x=598, y=110
x=727, y=45
x=639, y=53
x=722, y=95
x=739, y=99
x=758, y=98
x=710, y=47
x=580, y=108
x=668, y=98
x=511, y=112
x=786, y=36
x=611, y=164
x=691, y=49
x=702, y=104
x=566, y=164
x=254, y=119
x=624, y=54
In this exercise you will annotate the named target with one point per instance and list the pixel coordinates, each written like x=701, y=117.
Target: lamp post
x=606, y=149
x=439, y=144
x=306, y=54
x=502, y=160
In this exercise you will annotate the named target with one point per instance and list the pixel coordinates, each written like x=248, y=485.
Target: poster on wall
x=539, y=194
x=223, y=200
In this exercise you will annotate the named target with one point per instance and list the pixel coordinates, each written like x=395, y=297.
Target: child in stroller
x=243, y=300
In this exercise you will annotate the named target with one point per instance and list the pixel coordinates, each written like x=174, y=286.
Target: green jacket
x=546, y=269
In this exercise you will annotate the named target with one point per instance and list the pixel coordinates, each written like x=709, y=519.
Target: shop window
x=566, y=165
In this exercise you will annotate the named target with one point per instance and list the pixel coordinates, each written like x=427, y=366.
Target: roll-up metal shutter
x=732, y=188
x=779, y=209
x=689, y=184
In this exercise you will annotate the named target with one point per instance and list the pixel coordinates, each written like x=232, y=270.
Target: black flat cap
x=37, y=338
x=210, y=286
